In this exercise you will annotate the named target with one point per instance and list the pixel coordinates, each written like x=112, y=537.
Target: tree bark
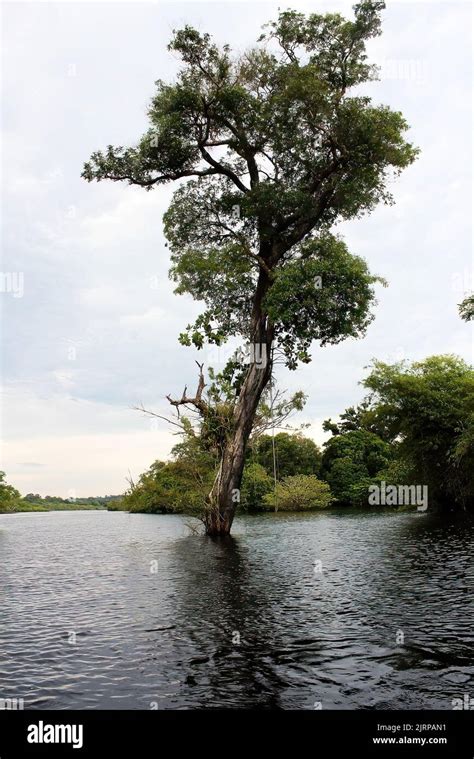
x=225, y=493
x=224, y=497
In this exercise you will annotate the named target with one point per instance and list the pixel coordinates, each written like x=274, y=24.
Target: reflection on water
x=352, y=610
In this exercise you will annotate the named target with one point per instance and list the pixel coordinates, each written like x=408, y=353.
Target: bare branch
x=143, y=410
x=195, y=401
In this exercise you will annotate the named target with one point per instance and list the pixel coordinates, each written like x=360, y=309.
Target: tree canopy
x=294, y=454
x=275, y=147
x=351, y=461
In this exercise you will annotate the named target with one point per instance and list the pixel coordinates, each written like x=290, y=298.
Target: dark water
x=170, y=638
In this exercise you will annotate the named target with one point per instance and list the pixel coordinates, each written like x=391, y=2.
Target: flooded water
x=111, y=610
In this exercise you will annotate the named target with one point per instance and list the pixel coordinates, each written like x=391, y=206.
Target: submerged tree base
x=217, y=525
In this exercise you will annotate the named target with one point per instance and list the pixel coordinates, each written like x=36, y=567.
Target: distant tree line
x=12, y=501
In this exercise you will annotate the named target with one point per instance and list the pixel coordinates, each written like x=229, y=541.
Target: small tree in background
x=288, y=454
x=256, y=484
x=9, y=496
x=276, y=147
x=351, y=458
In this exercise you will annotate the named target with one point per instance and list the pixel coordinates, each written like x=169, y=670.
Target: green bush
x=299, y=493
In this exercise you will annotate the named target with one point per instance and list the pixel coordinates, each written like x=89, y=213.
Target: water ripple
x=110, y=610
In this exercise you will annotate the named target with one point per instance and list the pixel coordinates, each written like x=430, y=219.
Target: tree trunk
x=225, y=493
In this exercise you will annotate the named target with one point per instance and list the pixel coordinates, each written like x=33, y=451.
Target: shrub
x=299, y=493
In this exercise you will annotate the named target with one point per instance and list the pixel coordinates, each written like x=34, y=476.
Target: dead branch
x=197, y=400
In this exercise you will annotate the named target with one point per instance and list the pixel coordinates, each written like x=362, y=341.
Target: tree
x=350, y=461
x=9, y=496
x=430, y=408
x=294, y=454
x=299, y=493
x=466, y=308
x=256, y=483
x=32, y=498
x=361, y=417
x=276, y=147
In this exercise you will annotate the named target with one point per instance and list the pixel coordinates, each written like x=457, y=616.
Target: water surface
x=110, y=610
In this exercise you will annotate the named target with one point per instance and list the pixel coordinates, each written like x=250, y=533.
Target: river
x=108, y=610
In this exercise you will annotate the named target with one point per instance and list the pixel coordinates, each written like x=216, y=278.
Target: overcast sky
x=90, y=323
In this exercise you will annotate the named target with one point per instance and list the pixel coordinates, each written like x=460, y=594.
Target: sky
x=89, y=317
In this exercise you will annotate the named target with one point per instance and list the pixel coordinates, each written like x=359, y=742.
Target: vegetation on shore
x=12, y=502
x=415, y=428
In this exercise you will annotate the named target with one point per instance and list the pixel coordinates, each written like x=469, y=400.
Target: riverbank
x=26, y=508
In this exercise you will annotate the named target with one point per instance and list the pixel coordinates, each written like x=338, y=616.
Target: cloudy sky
x=90, y=321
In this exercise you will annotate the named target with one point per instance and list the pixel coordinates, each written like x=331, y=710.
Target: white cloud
x=57, y=444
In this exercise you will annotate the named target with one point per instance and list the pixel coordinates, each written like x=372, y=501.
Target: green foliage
x=430, y=409
x=466, y=308
x=299, y=493
x=55, y=503
x=256, y=484
x=9, y=496
x=324, y=294
x=118, y=505
x=399, y=470
x=361, y=417
x=358, y=490
x=167, y=489
x=181, y=485
x=351, y=461
x=295, y=454
x=178, y=486
x=276, y=147
x=44, y=505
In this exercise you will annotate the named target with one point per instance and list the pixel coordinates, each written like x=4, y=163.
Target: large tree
x=276, y=145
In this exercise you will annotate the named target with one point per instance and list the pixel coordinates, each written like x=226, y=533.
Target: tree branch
x=197, y=400
x=221, y=169
x=161, y=178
